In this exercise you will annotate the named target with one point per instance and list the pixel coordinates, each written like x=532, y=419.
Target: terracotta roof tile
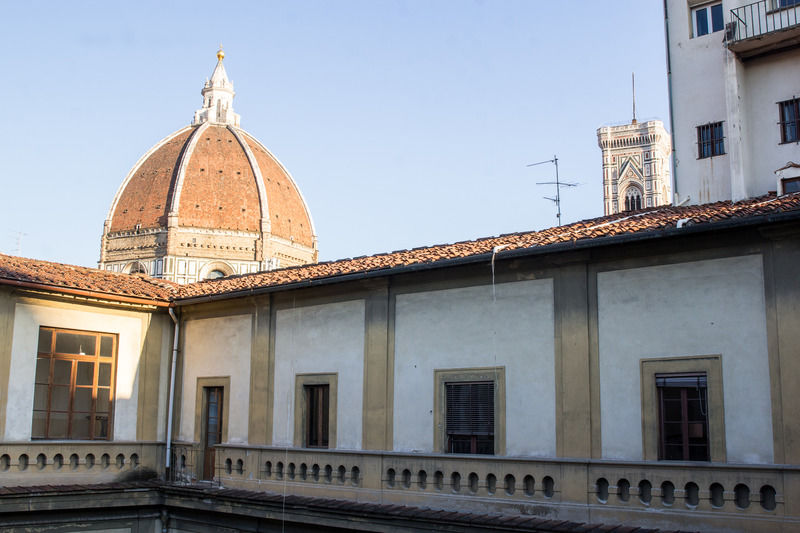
x=653, y=221
x=58, y=276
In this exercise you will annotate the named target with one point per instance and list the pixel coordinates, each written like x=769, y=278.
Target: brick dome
x=208, y=200
x=213, y=176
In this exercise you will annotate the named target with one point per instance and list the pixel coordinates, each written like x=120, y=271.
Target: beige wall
x=217, y=347
x=474, y=327
x=680, y=310
x=326, y=338
x=28, y=318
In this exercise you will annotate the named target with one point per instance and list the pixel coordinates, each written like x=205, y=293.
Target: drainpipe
x=675, y=196
x=171, y=403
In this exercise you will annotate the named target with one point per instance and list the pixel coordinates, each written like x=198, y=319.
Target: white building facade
x=734, y=75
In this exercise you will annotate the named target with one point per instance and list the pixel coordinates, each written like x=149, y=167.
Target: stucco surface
x=686, y=309
x=218, y=347
x=23, y=364
x=468, y=328
x=326, y=338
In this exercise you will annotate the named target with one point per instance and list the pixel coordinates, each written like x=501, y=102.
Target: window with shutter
x=470, y=417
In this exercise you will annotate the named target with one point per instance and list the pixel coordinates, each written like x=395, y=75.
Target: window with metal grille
x=683, y=417
x=317, y=406
x=790, y=120
x=470, y=417
x=74, y=385
x=710, y=140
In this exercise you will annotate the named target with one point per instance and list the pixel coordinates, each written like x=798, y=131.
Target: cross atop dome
x=217, y=97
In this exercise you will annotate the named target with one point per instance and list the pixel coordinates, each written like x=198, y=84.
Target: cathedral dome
x=210, y=182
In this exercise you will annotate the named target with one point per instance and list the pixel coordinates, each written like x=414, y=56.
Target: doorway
x=212, y=427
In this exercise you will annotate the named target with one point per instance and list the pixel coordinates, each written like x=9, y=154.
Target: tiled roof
x=451, y=520
x=90, y=281
x=657, y=219
x=654, y=221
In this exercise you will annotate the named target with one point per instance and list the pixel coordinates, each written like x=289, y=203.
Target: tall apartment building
x=734, y=75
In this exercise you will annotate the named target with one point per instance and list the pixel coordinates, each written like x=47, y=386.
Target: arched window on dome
x=633, y=198
x=215, y=274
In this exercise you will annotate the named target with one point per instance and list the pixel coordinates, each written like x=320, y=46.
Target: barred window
x=74, y=385
x=470, y=417
x=710, y=140
x=790, y=120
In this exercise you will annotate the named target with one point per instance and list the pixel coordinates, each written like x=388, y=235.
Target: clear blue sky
x=405, y=123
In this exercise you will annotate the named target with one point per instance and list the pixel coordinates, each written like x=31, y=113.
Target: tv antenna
x=557, y=183
x=19, y=236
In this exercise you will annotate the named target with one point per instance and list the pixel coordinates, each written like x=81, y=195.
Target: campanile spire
x=217, y=97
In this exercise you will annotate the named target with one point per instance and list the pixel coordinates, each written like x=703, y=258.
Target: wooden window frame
x=711, y=366
x=317, y=420
x=443, y=377
x=474, y=395
x=74, y=359
x=697, y=378
x=301, y=411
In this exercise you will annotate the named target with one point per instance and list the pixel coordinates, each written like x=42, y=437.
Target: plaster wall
x=28, y=318
x=327, y=338
x=769, y=80
x=686, y=309
x=698, y=97
x=468, y=328
x=217, y=347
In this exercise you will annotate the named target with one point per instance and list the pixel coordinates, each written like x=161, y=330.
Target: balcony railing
x=762, y=18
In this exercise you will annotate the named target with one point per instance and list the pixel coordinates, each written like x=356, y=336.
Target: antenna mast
x=557, y=183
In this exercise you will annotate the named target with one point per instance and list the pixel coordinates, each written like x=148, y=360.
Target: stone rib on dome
x=209, y=199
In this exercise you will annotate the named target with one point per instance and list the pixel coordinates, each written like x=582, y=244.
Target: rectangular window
x=790, y=185
x=683, y=417
x=707, y=19
x=470, y=417
x=74, y=385
x=790, y=120
x=317, y=408
x=710, y=140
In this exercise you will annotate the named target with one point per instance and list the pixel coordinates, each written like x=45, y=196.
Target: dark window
x=708, y=19
x=710, y=140
x=633, y=199
x=683, y=417
x=317, y=406
x=74, y=386
x=790, y=120
x=788, y=3
x=790, y=185
x=470, y=417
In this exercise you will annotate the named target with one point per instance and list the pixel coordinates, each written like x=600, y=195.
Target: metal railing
x=760, y=18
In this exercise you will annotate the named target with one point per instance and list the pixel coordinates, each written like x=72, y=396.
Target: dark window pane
x=106, y=346
x=62, y=372
x=103, y=402
x=43, y=370
x=83, y=399
x=698, y=453
x=75, y=343
x=59, y=398
x=85, y=375
x=717, y=22
x=45, y=340
x=101, y=427
x=80, y=426
x=701, y=22
x=104, y=375
x=58, y=426
x=40, y=396
x=39, y=425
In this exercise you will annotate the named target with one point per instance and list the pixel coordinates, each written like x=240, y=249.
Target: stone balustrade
x=69, y=462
